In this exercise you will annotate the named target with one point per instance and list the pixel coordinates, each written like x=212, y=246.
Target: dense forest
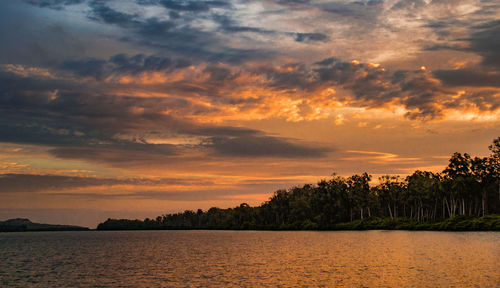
x=468, y=188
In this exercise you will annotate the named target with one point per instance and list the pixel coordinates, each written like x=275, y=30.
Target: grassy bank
x=458, y=223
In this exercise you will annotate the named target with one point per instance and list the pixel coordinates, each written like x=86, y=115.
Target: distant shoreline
x=25, y=225
x=458, y=223
x=487, y=223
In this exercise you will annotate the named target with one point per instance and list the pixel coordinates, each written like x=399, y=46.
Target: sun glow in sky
x=138, y=108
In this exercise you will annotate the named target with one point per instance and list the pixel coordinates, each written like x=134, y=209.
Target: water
x=249, y=259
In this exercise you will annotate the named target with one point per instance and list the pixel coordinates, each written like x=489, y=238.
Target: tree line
x=468, y=186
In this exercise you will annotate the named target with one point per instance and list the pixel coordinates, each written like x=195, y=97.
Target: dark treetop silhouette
x=459, y=198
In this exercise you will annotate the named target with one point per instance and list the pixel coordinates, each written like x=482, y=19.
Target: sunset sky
x=132, y=109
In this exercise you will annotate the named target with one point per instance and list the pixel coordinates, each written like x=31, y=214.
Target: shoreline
x=458, y=223
x=487, y=223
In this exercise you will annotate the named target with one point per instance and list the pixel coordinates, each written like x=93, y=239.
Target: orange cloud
x=379, y=157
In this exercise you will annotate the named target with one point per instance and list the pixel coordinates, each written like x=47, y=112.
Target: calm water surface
x=249, y=259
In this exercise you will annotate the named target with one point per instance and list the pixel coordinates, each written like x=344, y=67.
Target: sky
x=137, y=108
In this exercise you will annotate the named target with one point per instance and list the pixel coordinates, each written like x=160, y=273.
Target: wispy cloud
x=378, y=157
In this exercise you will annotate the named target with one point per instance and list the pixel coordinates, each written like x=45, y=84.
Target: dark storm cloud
x=310, y=37
x=219, y=74
x=294, y=75
x=485, y=41
x=78, y=106
x=353, y=9
x=155, y=28
x=243, y=142
x=447, y=46
x=292, y=2
x=103, y=13
x=249, y=143
x=84, y=125
x=224, y=131
x=263, y=146
x=53, y=4
x=193, y=6
x=371, y=86
x=225, y=141
x=193, y=43
x=178, y=36
x=485, y=100
x=227, y=24
x=65, y=113
x=123, y=64
x=35, y=41
x=141, y=63
x=445, y=29
x=25, y=183
x=114, y=155
x=468, y=77
x=375, y=86
x=445, y=24
x=12, y=183
x=87, y=68
x=421, y=95
x=49, y=133
x=187, y=5
x=29, y=113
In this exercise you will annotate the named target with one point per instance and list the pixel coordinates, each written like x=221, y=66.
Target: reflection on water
x=249, y=259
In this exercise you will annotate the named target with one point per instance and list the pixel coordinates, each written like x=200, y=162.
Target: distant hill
x=22, y=225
